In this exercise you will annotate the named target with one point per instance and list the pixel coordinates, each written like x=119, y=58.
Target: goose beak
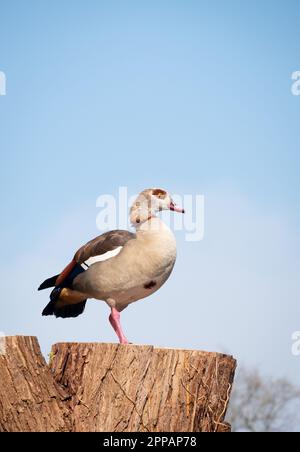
x=174, y=208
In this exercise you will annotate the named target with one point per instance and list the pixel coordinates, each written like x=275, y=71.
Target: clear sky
x=191, y=96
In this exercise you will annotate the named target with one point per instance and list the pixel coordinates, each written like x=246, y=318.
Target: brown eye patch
x=159, y=193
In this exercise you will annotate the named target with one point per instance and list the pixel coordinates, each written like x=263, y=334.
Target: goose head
x=149, y=202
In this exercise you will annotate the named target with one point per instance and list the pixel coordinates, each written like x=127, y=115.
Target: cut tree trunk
x=30, y=400
x=113, y=388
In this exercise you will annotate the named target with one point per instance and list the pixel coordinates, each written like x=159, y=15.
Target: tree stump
x=30, y=400
x=113, y=388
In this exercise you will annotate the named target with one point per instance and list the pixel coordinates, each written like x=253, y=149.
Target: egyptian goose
x=118, y=267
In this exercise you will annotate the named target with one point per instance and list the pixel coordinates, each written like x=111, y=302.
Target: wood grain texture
x=141, y=388
x=113, y=388
x=30, y=400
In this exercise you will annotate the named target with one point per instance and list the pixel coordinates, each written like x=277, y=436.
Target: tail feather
x=50, y=282
x=55, y=307
x=49, y=309
x=69, y=310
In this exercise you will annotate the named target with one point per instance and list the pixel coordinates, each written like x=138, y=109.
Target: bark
x=30, y=400
x=113, y=388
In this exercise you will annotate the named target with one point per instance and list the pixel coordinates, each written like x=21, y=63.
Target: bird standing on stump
x=118, y=267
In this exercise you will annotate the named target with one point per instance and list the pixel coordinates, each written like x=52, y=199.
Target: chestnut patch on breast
x=150, y=284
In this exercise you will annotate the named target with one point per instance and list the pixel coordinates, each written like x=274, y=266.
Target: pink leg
x=114, y=319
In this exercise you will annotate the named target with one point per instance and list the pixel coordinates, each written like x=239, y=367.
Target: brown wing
x=102, y=244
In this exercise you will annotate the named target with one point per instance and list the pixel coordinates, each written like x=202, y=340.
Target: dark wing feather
x=102, y=244
x=50, y=282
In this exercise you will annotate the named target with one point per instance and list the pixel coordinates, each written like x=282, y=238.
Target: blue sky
x=193, y=96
